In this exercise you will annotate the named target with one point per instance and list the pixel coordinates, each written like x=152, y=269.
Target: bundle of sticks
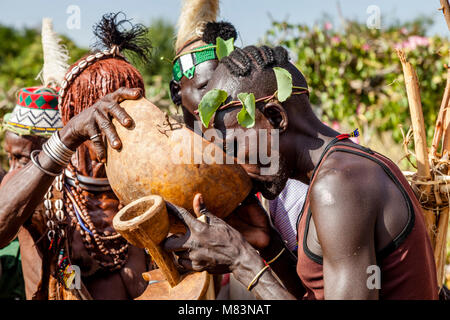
x=431, y=182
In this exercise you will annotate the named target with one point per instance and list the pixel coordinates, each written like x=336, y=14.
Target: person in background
x=34, y=118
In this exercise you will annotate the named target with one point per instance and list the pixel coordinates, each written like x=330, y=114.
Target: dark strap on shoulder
x=369, y=154
x=325, y=151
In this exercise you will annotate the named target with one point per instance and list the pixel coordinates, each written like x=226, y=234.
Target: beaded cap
x=36, y=113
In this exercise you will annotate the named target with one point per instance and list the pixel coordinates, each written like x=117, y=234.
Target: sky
x=252, y=18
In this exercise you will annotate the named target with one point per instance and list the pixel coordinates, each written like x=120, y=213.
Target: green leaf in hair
x=246, y=117
x=224, y=47
x=211, y=101
x=284, y=83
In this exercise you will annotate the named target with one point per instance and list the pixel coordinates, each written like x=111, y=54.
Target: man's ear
x=175, y=92
x=277, y=116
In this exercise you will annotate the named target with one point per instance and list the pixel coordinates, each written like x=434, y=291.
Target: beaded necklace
x=56, y=234
x=76, y=207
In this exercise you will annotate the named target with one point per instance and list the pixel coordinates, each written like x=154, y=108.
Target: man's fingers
x=176, y=243
x=189, y=263
x=124, y=93
x=186, y=264
x=200, y=210
x=106, y=126
x=199, y=205
x=182, y=214
x=120, y=114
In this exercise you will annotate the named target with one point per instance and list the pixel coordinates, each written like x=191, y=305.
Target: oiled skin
x=18, y=149
x=352, y=220
x=22, y=192
x=251, y=220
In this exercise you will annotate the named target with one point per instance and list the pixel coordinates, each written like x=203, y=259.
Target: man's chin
x=269, y=189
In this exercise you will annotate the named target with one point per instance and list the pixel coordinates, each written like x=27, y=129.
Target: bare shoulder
x=347, y=185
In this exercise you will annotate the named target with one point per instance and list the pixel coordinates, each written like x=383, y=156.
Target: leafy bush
x=356, y=78
x=355, y=75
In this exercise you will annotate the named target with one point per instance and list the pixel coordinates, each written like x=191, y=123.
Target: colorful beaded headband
x=185, y=63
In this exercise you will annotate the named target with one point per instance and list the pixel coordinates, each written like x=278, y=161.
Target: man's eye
x=203, y=86
x=24, y=160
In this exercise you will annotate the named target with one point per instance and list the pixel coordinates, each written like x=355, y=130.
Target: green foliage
x=355, y=76
x=224, y=47
x=211, y=101
x=246, y=117
x=284, y=83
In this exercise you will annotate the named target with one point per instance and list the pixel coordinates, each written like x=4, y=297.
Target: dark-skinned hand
x=97, y=119
x=252, y=221
x=212, y=246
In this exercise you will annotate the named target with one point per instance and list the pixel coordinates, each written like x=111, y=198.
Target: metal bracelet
x=36, y=163
x=56, y=150
x=52, y=155
x=59, y=146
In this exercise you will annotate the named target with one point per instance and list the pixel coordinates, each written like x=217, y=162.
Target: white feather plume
x=194, y=14
x=56, y=56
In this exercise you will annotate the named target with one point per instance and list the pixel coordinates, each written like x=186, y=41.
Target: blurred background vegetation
x=353, y=72
x=356, y=79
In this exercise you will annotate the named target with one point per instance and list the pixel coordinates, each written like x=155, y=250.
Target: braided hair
x=102, y=72
x=243, y=62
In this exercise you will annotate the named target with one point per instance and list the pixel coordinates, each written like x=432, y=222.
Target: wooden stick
x=445, y=7
x=420, y=138
x=446, y=134
x=446, y=118
x=440, y=250
x=418, y=124
x=441, y=129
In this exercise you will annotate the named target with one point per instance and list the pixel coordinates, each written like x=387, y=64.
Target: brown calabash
x=160, y=156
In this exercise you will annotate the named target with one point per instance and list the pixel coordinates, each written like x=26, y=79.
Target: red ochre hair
x=103, y=72
x=102, y=77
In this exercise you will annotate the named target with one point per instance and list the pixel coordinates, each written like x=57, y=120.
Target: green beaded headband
x=185, y=63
